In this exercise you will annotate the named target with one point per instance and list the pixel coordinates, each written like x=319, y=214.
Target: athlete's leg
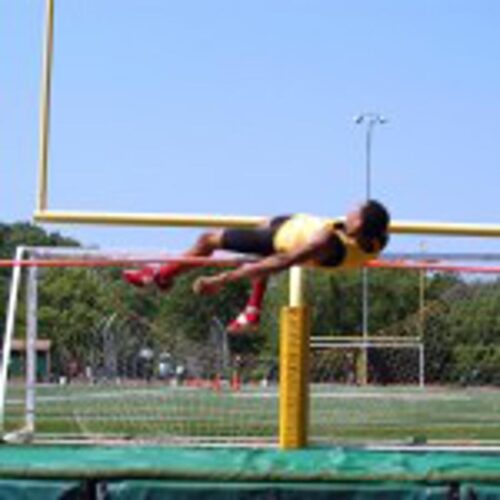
x=163, y=276
x=205, y=245
x=249, y=318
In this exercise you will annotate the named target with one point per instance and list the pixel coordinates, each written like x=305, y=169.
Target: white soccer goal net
x=99, y=360
x=429, y=368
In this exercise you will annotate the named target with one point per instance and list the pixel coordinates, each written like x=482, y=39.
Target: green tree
x=25, y=234
x=72, y=306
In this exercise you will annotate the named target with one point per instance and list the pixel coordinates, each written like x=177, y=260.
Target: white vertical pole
x=296, y=287
x=31, y=354
x=421, y=364
x=9, y=332
x=421, y=300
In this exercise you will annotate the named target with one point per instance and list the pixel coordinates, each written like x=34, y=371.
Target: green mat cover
x=311, y=465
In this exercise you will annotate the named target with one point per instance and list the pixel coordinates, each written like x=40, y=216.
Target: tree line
x=98, y=323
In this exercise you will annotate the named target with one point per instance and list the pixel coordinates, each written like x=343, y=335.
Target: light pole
x=369, y=120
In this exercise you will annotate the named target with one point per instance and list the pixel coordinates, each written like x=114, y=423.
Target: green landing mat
x=161, y=473
x=244, y=464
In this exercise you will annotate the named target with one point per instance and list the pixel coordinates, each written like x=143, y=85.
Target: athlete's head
x=369, y=224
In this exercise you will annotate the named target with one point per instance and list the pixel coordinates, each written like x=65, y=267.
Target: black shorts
x=258, y=241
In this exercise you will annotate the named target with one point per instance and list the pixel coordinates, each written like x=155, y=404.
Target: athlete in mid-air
x=280, y=243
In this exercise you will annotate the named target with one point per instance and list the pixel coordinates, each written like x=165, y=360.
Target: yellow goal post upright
x=294, y=319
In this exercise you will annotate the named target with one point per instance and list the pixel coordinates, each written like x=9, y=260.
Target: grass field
x=339, y=414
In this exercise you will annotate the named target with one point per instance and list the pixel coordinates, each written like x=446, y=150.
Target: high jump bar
x=431, y=266
x=124, y=262
x=199, y=220
x=195, y=261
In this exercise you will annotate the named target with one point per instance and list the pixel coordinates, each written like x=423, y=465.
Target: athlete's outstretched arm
x=266, y=266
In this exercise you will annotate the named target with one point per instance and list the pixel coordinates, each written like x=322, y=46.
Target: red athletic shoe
x=246, y=322
x=139, y=277
x=146, y=276
x=164, y=275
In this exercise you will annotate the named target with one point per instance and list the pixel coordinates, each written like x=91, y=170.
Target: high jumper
x=281, y=242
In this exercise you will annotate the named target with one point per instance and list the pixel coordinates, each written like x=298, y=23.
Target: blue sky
x=246, y=107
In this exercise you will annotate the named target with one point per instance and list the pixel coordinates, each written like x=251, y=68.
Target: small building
x=17, y=365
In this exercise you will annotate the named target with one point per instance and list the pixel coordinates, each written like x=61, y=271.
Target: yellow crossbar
x=147, y=219
x=199, y=220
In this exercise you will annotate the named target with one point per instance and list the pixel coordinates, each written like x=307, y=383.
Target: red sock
x=168, y=271
x=257, y=294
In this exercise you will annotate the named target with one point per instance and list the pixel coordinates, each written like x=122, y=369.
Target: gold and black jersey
x=299, y=229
